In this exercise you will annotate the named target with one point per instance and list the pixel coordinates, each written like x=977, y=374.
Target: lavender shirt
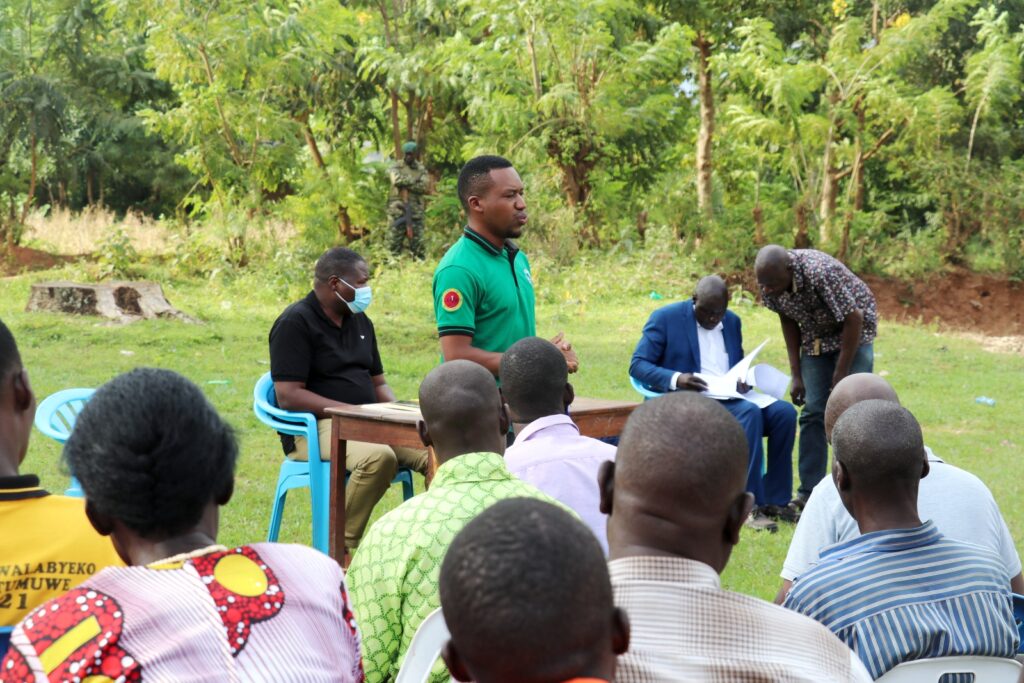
x=551, y=454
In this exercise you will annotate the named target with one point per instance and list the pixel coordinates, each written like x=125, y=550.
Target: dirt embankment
x=960, y=300
x=24, y=259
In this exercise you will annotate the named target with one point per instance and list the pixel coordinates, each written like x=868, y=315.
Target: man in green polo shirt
x=483, y=290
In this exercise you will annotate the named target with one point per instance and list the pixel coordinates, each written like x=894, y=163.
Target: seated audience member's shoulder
x=293, y=554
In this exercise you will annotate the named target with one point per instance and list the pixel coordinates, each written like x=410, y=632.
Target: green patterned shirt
x=394, y=574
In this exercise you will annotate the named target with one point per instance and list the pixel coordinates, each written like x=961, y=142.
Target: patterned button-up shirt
x=393, y=579
x=904, y=594
x=684, y=627
x=823, y=293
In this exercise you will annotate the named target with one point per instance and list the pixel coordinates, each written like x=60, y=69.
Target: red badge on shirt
x=451, y=300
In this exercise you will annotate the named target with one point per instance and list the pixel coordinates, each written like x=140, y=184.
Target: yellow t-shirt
x=47, y=546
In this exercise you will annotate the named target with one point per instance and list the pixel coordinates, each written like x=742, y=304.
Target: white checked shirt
x=684, y=627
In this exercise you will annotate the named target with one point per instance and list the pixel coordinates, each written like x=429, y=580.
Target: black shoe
x=783, y=513
x=758, y=522
x=800, y=501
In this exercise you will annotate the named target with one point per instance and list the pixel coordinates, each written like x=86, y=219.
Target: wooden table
x=376, y=424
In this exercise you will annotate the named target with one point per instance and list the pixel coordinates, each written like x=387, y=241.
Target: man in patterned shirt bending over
x=394, y=574
x=901, y=591
x=829, y=321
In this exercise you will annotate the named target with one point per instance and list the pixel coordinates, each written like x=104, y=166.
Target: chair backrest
x=56, y=415
x=985, y=670
x=642, y=389
x=1018, y=616
x=5, y=639
x=264, y=405
x=424, y=649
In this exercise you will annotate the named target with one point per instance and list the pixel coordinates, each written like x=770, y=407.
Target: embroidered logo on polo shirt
x=451, y=300
x=529, y=278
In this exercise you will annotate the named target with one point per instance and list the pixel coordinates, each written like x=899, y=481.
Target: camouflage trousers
x=399, y=232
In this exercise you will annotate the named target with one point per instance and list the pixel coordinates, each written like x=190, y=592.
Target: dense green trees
x=888, y=131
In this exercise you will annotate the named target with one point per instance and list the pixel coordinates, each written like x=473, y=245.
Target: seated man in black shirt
x=323, y=352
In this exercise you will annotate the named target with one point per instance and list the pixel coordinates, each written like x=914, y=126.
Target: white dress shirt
x=714, y=359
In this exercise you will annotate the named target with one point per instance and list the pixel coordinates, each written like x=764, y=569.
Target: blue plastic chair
x=313, y=474
x=643, y=389
x=55, y=417
x=1018, y=615
x=5, y=639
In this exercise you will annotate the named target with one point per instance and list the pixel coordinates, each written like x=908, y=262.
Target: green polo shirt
x=484, y=293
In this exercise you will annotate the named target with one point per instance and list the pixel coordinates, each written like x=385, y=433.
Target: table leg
x=336, y=527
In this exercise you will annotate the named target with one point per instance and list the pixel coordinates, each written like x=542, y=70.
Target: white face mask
x=361, y=302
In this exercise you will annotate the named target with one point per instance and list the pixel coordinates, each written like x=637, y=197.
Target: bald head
x=710, y=287
x=710, y=301
x=879, y=444
x=772, y=269
x=682, y=442
x=679, y=478
x=462, y=410
x=771, y=257
x=853, y=389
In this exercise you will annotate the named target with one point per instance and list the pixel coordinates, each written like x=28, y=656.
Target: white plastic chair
x=985, y=670
x=425, y=648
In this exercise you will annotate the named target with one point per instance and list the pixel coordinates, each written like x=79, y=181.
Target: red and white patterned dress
x=263, y=612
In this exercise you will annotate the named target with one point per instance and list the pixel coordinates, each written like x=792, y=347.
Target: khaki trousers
x=372, y=467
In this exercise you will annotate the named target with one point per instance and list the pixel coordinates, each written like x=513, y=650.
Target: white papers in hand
x=770, y=381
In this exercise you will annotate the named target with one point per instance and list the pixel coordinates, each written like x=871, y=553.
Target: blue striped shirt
x=905, y=594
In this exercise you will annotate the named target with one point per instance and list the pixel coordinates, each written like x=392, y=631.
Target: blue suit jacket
x=669, y=345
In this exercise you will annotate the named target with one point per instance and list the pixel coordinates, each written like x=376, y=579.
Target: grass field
x=600, y=303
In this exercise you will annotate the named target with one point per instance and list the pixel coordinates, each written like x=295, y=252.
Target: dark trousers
x=778, y=423
x=817, y=373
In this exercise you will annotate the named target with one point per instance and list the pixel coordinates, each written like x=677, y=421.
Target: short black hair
x=151, y=452
x=457, y=399
x=879, y=442
x=339, y=261
x=533, y=378
x=474, y=178
x=525, y=584
x=682, y=442
x=10, y=359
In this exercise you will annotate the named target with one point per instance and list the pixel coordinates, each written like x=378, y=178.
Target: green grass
x=600, y=303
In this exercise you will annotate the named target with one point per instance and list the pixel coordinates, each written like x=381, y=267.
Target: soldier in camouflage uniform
x=405, y=203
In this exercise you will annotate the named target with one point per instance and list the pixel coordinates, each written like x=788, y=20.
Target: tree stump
x=120, y=301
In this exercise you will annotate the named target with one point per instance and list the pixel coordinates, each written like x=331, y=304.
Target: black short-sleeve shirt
x=336, y=363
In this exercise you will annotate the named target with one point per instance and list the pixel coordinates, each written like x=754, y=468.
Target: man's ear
x=473, y=204
x=225, y=497
x=504, y=418
x=620, y=631
x=841, y=475
x=451, y=658
x=606, y=485
x=568, y=396
x=425, y=439
x=24, y=399
x=925, y=466
x=738, y=512
x=103, y=524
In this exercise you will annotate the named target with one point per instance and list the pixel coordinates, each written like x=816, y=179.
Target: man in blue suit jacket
x=703, y=336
